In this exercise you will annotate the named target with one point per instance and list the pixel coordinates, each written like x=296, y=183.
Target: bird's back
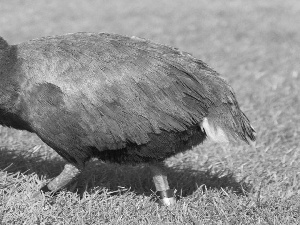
x=107, y=91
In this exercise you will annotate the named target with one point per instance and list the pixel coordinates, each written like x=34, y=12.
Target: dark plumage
x=121, y=99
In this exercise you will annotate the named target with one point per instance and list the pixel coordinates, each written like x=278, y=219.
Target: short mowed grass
x=254, y=44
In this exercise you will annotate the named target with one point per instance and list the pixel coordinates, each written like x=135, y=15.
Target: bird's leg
x=163, y=190
x=65, y=177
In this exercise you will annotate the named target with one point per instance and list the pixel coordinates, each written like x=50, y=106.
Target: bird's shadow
x=118, y=178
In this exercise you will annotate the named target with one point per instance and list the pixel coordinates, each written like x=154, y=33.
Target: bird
x=121, y=99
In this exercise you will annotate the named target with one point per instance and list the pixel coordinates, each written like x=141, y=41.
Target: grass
x=254, y=44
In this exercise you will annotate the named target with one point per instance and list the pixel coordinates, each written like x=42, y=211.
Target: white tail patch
x=216, y=134
x=251, y=143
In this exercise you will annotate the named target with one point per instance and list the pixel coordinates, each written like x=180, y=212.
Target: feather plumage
x=118, y=98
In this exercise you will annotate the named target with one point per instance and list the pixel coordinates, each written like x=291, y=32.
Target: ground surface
x=254, y=44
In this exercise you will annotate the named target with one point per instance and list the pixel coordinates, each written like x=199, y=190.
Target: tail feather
x=215, y=133
x=228, y=123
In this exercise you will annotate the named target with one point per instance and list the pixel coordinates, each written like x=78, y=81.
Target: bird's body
x=120, y=99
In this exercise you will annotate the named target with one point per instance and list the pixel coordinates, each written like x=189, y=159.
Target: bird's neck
x=10, y=112
x=8, y=84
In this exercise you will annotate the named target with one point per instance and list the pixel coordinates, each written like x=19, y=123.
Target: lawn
x=254, y=44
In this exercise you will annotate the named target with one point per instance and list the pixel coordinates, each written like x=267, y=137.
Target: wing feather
x=123, y=88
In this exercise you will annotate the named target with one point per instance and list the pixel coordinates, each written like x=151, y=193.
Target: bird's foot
x=166, y=197
x=38, y=193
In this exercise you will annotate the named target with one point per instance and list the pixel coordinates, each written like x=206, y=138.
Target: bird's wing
x=121, y=89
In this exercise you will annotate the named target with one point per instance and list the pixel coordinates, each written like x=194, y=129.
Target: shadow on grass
x=26, y=162
x=117, y=178
x=139, y=180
